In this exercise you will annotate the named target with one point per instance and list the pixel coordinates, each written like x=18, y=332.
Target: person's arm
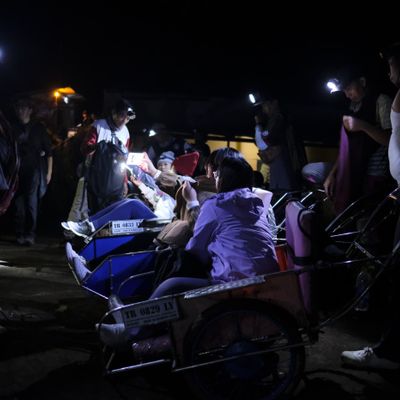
x=330, y=181
x=380, y=135
x=192, y=203
x=203, y=233
x=396, y=102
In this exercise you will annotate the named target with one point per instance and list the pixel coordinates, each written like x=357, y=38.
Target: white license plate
x=126, y=226
x=150, y=312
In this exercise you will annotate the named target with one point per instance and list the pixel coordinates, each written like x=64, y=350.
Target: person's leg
x=19, y=218
x=178, y=285
x=32, y=206
x=79, y=208
x=316, y=173
x=124, y=209
x=115, y=335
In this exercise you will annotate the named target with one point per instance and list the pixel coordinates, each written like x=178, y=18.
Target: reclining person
x=231, y=237
x=120, y=210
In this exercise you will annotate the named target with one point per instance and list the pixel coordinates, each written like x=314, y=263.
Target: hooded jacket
x=232, y=234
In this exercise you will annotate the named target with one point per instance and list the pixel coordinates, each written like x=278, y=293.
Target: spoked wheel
x=245, y=350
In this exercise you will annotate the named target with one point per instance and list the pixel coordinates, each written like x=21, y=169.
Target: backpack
x=104, y=176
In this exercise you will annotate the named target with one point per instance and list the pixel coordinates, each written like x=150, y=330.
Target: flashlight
x=252, y=98
x=152, y=132
x=333, y=85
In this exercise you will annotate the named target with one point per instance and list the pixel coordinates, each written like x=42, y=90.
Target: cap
x=347, y=75
x=166, y=157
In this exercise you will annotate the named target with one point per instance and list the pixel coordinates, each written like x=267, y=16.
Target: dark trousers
x=26, y=203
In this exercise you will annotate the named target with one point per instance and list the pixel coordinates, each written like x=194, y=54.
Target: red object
x=186, y=163
x=281, y=256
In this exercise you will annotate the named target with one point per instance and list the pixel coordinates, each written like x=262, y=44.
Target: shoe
x=366, y=358
x=29, y=240
x=81, y=271
x=20, y=240
x=71, y=254
x=65, y=225
x=83, y=229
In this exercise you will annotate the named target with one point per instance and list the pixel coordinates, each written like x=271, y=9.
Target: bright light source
x=124, y=166
x=333, y=85
x=152, y=132
x=252, y=98
x=66, y=100
x=56, y=94
x=1, y=54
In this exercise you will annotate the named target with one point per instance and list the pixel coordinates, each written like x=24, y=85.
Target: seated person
x=120, y=210
x=162, y=203
x=231, y=235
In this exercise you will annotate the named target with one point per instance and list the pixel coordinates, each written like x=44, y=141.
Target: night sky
x=190, y=48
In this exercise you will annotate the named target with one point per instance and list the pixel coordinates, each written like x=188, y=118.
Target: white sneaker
x=83, y=229
x=366, y=358
x=65, y=225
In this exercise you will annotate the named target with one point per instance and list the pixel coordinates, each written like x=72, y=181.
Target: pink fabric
x=299, y=244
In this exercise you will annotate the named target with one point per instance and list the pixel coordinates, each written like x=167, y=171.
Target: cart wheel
x=253, y=338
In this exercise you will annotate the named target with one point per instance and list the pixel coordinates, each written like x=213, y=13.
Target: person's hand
x=188, y=193
x=329, y=185
x=147, y=165
x=353, y=124
x=136, y=181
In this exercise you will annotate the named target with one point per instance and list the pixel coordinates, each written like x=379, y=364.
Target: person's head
x=392, y=55
x=23, y=110
x=270, y=105
x=233, y=173
x=214, y=160
x=122, y=112
x=353, y=83
x=164, y=163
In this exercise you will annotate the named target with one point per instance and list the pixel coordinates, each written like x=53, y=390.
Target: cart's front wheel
x=244, y=350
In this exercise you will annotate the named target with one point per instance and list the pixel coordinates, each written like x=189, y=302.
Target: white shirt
x=104, y=132
x=394, y=146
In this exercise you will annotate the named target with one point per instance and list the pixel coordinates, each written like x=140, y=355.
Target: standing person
x=34, y=144
x=277, y=146
x=109, y=130
x=362, y=164
x=386, y=353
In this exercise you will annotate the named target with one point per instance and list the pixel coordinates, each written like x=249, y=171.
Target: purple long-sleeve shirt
x=232, y=233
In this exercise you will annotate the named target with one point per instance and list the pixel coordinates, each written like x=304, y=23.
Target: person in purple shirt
x=231, y=236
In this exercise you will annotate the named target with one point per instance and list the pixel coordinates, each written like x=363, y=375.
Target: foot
x=65, y=225
x=81, y=271
x=20, y=240
x=113, y=335
x=366, y=358
x=29, y=240
x=83, y=229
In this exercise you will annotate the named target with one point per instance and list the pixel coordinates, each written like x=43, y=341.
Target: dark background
x=196, y=50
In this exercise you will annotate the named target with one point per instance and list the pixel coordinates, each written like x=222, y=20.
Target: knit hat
x=166, y=157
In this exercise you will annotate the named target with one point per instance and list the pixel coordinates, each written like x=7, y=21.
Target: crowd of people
x=230, y=220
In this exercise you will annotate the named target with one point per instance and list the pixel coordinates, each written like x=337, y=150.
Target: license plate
x=126, y=226
x=150, y=312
